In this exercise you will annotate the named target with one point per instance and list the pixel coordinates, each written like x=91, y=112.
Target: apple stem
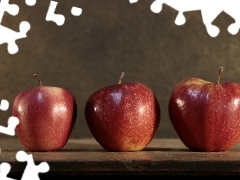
x=39, y=80
x=120, y=79
x=219, y=74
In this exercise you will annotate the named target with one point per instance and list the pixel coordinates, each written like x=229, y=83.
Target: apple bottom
x=44, y=139
x=123, y=127
x=214, y=144
x=208, y=134
x=212, y=137
x=129, y=139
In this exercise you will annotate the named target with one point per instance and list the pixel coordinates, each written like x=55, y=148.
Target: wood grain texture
x=162, y=157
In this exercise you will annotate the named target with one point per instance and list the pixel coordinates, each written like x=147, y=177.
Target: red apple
x=46, y=117
x=206, y=115
x=123, y=116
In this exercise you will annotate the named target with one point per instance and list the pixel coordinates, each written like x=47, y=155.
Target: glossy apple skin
x=47, y=116
x=205, y=115
x=123, y=117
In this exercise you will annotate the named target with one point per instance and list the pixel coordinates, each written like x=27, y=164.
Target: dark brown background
x=90, y=51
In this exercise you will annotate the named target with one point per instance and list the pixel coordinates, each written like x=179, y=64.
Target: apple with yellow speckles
x=206, y=115
x=46, y=117
x=123, y=116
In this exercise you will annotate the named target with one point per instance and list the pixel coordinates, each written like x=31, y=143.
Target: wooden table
x=162, y=157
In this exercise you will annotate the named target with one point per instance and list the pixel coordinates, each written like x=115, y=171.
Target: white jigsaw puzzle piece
x=59, y=19
x=210, y=10
x=30, y=2
x=7, y=35
x=232, y=9
x=10, y=129
x=4, y=105
x=4, y=170
x=12, y=9
x=133, y=1
x=12, y=121
x=31, y=171
x=76, y=11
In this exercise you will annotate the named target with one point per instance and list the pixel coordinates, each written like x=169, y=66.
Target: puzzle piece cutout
x=7, y=35
x=10, y=129
x=10, y=36
x=76, y=11
x=12, y=9
x=31, y=171
x=12, y=121
x=4, y=105
x=59, y=19
x=133, y=1
x=210, y=10
x=30, y=2
x=4, y=170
